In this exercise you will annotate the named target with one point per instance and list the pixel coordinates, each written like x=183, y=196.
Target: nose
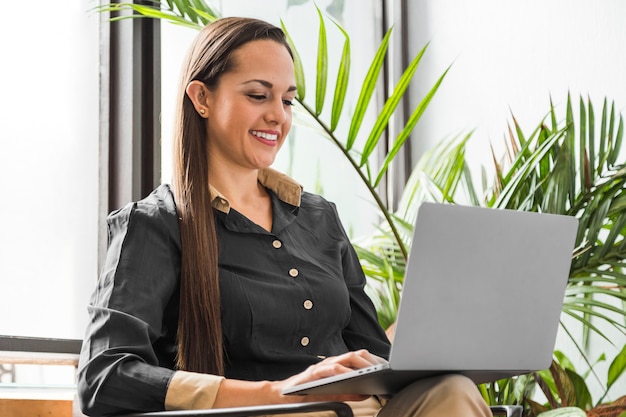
x=276, y=113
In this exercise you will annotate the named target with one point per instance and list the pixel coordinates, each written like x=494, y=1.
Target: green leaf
x=570, y=140
x=206, y=17
x=322, y=66
x=203, y=9
x=617, y=146
x=181, y=6
x=593, y=308
x=615, y=231
x=591, y=147
x=408, y=128
x=188, y=10
x=389, y=108
x=297, y=62
x=582, y=146
x=342, y=81
x=520, y=176
x=523, y=152
x=617, y=368
x=556, y=193
x=367, y=89
x=602, y=152
x=143, y=11
x=569, y=310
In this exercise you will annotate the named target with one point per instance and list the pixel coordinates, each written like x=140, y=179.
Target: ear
x=198, y=93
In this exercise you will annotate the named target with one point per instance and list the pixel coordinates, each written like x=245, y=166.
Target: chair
x=70, y=349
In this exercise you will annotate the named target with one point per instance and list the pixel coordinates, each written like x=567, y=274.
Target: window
x=49, y=177
x=48, y=170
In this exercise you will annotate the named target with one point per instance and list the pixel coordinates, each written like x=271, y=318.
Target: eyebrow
x=270, y=85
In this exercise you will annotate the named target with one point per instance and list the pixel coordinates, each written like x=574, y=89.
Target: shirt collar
x=285, y=188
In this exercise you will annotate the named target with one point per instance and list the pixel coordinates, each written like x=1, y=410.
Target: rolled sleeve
x=192, y=391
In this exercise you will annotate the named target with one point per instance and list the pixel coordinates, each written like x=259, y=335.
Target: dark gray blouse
x=289, y=298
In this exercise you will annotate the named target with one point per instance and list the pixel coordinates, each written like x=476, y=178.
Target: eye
x=257, y=97
x=288, y=102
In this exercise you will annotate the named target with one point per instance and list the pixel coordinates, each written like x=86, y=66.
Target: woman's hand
x=332, y=366
x=237, y=393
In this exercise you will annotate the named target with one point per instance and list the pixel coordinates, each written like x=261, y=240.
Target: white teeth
x=264, y=135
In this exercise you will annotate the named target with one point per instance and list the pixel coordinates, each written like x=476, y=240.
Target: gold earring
x=202, y=111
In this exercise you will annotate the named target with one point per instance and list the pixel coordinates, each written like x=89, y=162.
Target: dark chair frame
x=340, y=409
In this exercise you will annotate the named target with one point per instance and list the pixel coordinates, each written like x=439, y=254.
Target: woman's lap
x=448, y=395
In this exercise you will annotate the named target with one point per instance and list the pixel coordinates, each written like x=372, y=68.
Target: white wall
x=513, y=56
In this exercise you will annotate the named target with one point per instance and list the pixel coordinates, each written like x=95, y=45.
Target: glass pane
x=48, y=169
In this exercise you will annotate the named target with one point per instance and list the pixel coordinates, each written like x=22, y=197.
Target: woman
x=234, y=283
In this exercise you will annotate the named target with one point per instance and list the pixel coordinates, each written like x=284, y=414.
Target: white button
x=304, y=341
x=293, y=272
x=277, y=244
x=308, y=304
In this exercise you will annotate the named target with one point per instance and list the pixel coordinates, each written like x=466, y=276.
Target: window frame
x=130, y=106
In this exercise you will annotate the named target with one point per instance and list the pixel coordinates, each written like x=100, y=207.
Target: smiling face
x=249, y=112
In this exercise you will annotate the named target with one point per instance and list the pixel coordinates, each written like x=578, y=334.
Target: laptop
x=482, y=296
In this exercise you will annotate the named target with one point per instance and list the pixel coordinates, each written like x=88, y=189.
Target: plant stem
x=355, y=165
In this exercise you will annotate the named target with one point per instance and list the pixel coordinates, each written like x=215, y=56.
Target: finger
x=356, y=360
x=327, y=370
x=375, y=360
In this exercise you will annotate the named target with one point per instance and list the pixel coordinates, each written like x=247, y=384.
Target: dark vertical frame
x=399, y=173
x=130, y=106
x=407, y=160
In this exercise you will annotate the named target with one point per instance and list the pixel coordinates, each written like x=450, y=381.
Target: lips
x=264, y=135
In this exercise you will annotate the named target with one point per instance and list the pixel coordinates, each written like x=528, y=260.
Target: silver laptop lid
x=483, y=289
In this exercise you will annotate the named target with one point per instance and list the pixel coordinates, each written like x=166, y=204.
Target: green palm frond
x=435, y=178
x=322, y=66
x=341, y=86
x=410, y=124
x=298, y=67
x=361, y=159
x=367, y=90
x=556, y=170
x=388, y=109
x=559, y=168
x=194, y=14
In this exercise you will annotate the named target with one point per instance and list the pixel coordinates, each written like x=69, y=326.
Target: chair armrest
x=340, y=409
x=507, y=410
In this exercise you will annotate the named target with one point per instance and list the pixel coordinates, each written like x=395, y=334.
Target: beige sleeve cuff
x=192, y=391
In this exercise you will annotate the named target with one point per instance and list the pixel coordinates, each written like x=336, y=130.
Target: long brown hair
x=200, y=345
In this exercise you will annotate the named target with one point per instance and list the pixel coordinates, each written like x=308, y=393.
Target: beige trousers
x=445, y=396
